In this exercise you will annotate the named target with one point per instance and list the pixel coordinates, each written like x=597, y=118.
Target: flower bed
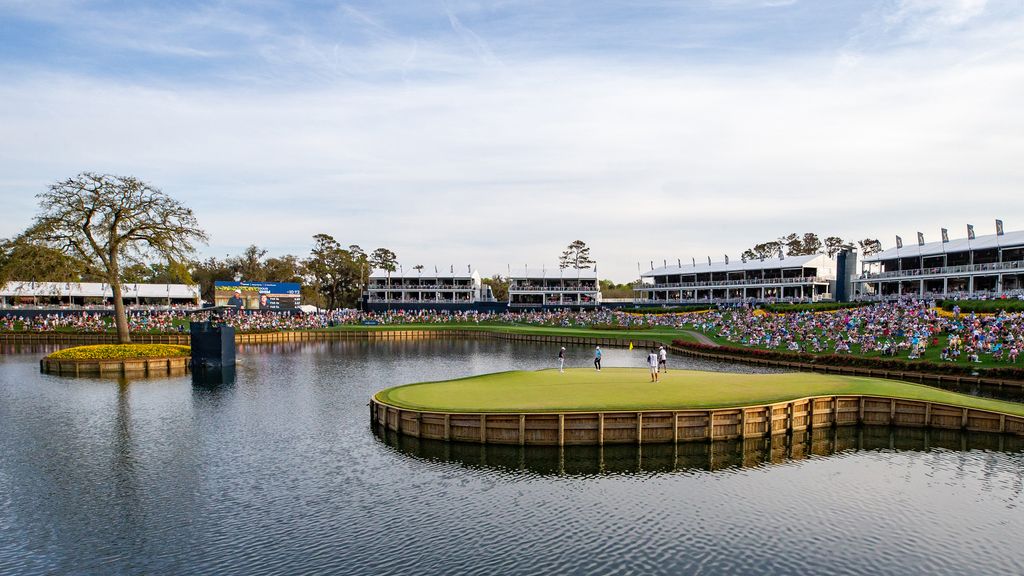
x=121, y=352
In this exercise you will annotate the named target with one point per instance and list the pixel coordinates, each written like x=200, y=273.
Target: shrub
x=670, y=309
x=983, y=306
x=814, y=307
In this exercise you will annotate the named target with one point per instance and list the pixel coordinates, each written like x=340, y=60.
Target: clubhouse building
x=555, y=288
x=811, y=278
x=983, y=267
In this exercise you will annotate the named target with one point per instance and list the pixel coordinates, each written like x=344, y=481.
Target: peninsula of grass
x=121, y=352
x=629, y=389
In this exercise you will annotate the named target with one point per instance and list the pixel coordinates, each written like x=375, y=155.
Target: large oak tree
x=111, y=223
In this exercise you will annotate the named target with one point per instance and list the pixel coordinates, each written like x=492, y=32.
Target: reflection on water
x=719, y=455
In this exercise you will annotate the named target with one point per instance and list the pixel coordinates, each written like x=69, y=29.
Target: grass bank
x=665, y=335
x=629, y=389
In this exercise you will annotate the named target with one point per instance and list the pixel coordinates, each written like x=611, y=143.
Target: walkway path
x=700, y=338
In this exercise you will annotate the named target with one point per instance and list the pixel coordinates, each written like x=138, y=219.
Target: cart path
x=701, y=338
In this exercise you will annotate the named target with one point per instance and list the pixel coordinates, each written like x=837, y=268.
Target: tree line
x=806, y=244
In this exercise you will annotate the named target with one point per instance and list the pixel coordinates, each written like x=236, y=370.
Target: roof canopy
x=99, y=290
x=553, y=272
x=428, y=272
x=737, y=266
x=911, y=250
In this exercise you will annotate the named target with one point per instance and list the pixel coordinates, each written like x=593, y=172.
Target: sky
x=493, y=134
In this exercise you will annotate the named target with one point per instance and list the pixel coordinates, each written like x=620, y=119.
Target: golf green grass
x=630, y=389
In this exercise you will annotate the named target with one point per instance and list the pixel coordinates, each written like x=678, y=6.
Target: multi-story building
x=810, y=278
x=96, y=294
x=984, y=267
x=554, y=288
x=425, y=290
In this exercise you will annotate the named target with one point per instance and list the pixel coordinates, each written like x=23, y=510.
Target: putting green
x=630, y=389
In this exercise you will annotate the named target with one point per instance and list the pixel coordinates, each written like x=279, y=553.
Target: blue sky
x=494, y=133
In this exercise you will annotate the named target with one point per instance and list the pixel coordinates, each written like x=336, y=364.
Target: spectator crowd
x=909, y=328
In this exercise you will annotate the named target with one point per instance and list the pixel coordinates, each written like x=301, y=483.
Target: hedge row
x=670, y=309
x=990, y=306
x=850, y=360
x=814, y=307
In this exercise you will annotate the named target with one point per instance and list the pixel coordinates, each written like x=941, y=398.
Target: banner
x=970, y=232
x=899, y=242
x=920, y=239
x=945, y=236
x=257, y=295
x=999, y=227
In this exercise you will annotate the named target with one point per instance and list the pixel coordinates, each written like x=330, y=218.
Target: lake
x=280, y=471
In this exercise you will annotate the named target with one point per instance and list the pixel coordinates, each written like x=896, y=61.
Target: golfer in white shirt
x=652, y=362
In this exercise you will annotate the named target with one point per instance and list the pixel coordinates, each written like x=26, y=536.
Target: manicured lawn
x=583, y=389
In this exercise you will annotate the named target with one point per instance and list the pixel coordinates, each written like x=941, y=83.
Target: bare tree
x=576, y=256
x=111, y=222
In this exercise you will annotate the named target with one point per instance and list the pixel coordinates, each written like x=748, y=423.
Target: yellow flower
x=121, y=352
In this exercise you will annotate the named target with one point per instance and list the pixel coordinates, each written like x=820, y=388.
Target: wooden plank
x=561, y=429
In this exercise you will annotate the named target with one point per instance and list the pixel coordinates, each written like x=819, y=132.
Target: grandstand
x=971, y=268
x=425, y=290
x=811, y=278
x=537, y=288
x=95, y=294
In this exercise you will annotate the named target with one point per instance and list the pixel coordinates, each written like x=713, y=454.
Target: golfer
x=561, y=359
x=597, y=358
x=662, y=359
x=652, y=362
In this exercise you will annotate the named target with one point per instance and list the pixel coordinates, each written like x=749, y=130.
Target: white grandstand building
x=983, y=267
x=810, y=278
x=426, y=287
x=75, y=294
x=553, y=288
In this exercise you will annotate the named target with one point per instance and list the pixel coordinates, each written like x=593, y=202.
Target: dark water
x=280, y=472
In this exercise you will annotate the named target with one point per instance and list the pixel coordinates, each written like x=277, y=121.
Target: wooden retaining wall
x=661, y=426
x=312, y=336
x=127, y=367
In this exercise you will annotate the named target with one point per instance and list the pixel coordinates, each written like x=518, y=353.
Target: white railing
x=976, y=295
x=745, y=282
x=419, y=287
x=421, y=301
x=945, y=270
x=537, y=288
x=785, y=300
x=536, y=304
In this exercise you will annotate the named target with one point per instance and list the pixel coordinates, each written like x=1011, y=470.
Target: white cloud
x=505, y=165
